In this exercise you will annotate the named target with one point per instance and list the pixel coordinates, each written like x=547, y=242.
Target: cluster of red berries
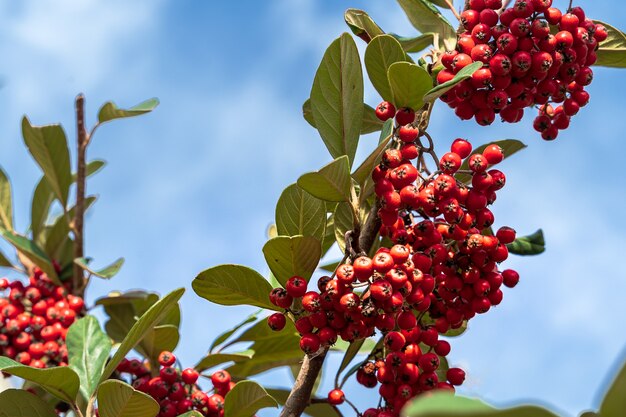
x=34, y=320
x=525, y=63
x=176, y=391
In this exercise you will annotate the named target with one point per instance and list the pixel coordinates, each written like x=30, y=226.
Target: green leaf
x=364, y=171
x=349, y=356
x=88, y=350
x=362, y=25
x=106, y=273
x=6, y=201
x=313, y=410
x=40, y=206
x=139, y=330
x=330, y=266
x=224, y=336
x=92, y=167
x=343, y=221
x=299, y=213
x=261, y=331
x=409, y=83
x=461, y=76
x=456, y=332
x=233, y=285
x=192, y=414
x=370, y=124
x=62, y=382
x=415, y=44
x=331, y=183
x=118, y=399
x=427, y=19
x=4, y=261
x=214, y=359
x=33, y=252
x=614, y=401
x=20, y=403
x=48, y=145
x=528, y=245
x=163, y=337
x=337, y=98
x=380, y=53
x=110, y=111
x=329, y=236
x=612, y=51
x=246, y=398
x=509, y=147
x=292, y=255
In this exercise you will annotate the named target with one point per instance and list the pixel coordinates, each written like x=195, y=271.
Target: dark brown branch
x=78, y=223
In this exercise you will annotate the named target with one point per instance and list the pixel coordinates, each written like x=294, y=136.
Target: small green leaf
x=415, y=44
x=48, y=145
x=246, y=398
x=349, y=356
x=343, y=221
x=20, y=403
x=33, y=252
x=456, y=332
x=509, y=147
x=106, y=273
x=233, y=285
x=6, y=201
x=110, y=111
x=214, y=359
x=40, y=206
x=370, y=124
x=139, y=330
x=62, y=382
x=330, y=183
x=292, y=255
x=330, y=266
x=118, y=399
x=299, y=213
x=409, y=83
x=614, y=401
x=224, y=336
x=92, y=167
x=612, y=51
x=461, y=76
x=364, y=171
x=427, y=19
x=337, y=98
x=528, y=245
x=362, y=25
x=380, y=53
x=88, y=350
x=163, y=337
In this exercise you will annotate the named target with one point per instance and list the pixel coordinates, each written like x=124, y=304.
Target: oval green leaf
x=214, y=359
x=614, y=401
x=110, y=111
x=362, y=25
x=528, y=245
x=612, y=51
x=337, y=98
x=20, y=403
x=299, y=213
x=246, y=398
x=380, y=53
x=427, y=19
x=331, y=183
x=461, y=76
x=233, y=285
x=6, y=201
x=118, y=399
x=33, y=252
x=409, y=83
x=106, y=272
x=415, y=44
x=292, y=255
x=370, y=124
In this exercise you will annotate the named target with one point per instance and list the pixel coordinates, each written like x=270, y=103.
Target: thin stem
x=451, y=6
x=356, y=410
x=82, y=142
x=569, y=8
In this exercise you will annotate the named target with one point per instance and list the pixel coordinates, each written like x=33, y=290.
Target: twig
x=82, y=142
x=454, y=12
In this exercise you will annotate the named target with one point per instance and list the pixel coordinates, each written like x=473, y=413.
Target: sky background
x=195, y=183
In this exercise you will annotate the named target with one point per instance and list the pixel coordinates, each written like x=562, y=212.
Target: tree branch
x=79, y=244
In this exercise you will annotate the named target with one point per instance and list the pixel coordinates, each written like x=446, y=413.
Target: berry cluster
x=176, y=391
x=525, y=63
x=34, y=320
x=438, y=272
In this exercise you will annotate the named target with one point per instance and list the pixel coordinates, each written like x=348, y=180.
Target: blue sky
x=195, y=183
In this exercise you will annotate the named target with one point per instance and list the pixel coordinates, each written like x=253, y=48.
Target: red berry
x=336, y=397
x=166, y=358
x=296, y=286
x=190, y=376
x=385, y=111
x=276, y=321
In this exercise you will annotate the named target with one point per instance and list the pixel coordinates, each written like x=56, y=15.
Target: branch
x=79, y=244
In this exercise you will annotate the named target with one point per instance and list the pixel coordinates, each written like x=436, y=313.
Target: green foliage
x=292, y=255
x=214, y=359
x=416, y=43
x=363, y=174
x=227, y=334
x=20, y=403
x=233, y=285
x=509, y=147
x=461, y=76
x=362, y=25
x=118, y=399
x=408, y=83
x=331, y=183
x=528, y=245
x=109, y=111
x=246, y=398
x=299, y=213
x=612, y=51
x=312, y=410
x=62, y=382
x=40, y=206
x=614, y=402
x=370, y=122
x=380, y=53
x=337, y=98
x=88, y=350
x=6, y=202
x=427, y=19
x=106, y=272
x=33, y=252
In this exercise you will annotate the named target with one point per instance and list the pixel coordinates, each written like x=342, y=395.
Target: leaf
x=364, y=171
x=214, y=359
x=362, y=25
x=329, y=236
x=614, y=401
x=426, y=18
x=292, y=255
x=92, y=167
x=337, y=98
x=380, y=53
x=461, y=76
x=370, y=124
x=33, y=252
x=42, y=200
x=6, y=201
x=299, y=213
x=415, y=44
x=224, y=336
x=164, y=337
x=110, y=111
x=48, y=145
x=62, y=382
x=261, y=331
x=331, y=183
x=88, y=350
x=349, y=356
x=20, y=403
x=343, y=221
x=457, y=332
x=612, y=51
x=106, y=273
x=118, y=399
x=528, y=245
x=233, y=285
x=313, y=410
x=246, y=398
x=4, y=261
x=509, y=147
x=192, y=414
x=408, y=83
x=139, y=330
